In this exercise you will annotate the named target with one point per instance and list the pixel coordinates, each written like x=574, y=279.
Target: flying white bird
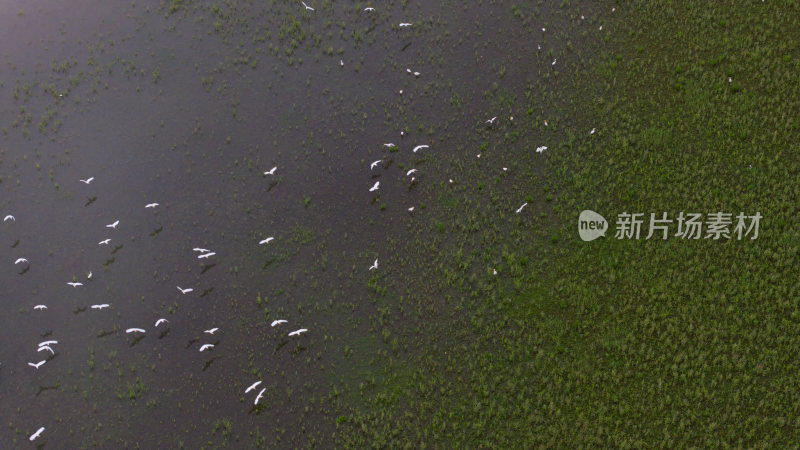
x=9, y=217
x=411, y=209
x=307, y=7
x=271, y=171
x=113, y=225
x=341, y=63
x=374, y=265
x=519, y=210
x=369, y=9
x=389, y=145
x=104, y=242
x=104, y=305
x=592, y=132
x=375, y=186
x=211, y=331
x=38, y=432
x=297, y=332
x=372, y=166
x=37, y=365
x=252, y=386
x=419, y=147
x=134, y=330
x=410, y=172
x=201, y=250
x=48, y=343
x=89, y=275
x=87, y=181
x=206, y=255
x=20, y=260
x=46, y=347
x=277, y=322
x=405, y=24
x=260, y=394
x=554, y=62
x=206, y=347
x=160, y=321
x=40, y=307
x=73, y=284
x=185, y=291
x=540, y=149
x=490, y=121
x=266, y=241
x=151, y=205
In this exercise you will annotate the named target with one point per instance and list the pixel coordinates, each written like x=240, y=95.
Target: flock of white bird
x=47, y=346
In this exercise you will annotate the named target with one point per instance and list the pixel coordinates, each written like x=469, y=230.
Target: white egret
x=271, y=171
x=260, y=394
x=48, y=343
x=494, y=271
x=266, y=241
x=185, y=291
x=374, y=265
x=134, y=330
x=419, y=147
x=87, y=181
x=211, y=331
x=252, y=386
x=9, y=217
x=160, y=321
x=600, y=28
x=404, y=24
x=89, y=275
x=411, y=209
x=730, y=80
x=410, y=172
x=37, y=365
x=505, y=169
x=206, y=347
x=206, y=255
x=36, y=435
x=20, y=260
x=592, y=132
x=491, y=121
x=540, y=149
x=297, y=332
x=545, y=123
x=101, y=306
x=151, y=205
x=307, y=7
x=40, y=307
x=201, y=250
x=375, y=186
x=389, y=145
x=519, y=210
x=277, y=322
x=48, y=348
x=554, y=62
x=104, y=242
x=73, y=284
x=341, y=63
x=372, y=166
x=113, y=225
x=369, y=9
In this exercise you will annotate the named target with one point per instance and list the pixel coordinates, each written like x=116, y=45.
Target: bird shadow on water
x=207, y=291
x=272, y=185
x=117, y=248
x=209, y=362
x=24, y=271
x=40, y=446
x=46, y=333
x=103, y=334
x=191, y=342
x=257, y=409
x=15, y=244
x=155, y=232
x=207, y=268
x=79, y=310
x=109, y=261
x=90, y=201
x=136, y=340
x=46, y=388
x=164, y=334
